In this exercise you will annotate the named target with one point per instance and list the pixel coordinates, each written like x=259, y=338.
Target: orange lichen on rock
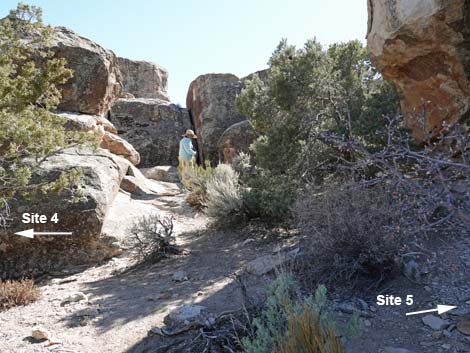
x=423, y=46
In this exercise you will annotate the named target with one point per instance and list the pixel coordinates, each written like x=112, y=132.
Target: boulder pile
x=125, y=104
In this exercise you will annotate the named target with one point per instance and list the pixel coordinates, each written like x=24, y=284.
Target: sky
x=191, y=38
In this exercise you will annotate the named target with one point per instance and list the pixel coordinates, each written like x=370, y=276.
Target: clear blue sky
x=191, y=38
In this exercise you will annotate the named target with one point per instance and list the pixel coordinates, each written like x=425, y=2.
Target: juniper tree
x=29, y=92
x=310, y=92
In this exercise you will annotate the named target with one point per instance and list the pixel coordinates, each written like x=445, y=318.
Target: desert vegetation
x=150, y=238
x=29, y=93
x=325, y=186
x=290, y=323
x=335, y=162
x=17, y=292
x=333, y=146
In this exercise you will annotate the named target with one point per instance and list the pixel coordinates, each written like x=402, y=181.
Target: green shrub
x=310, y=94
x=224, y=201
x=269, y=197
x=290, y=324
x=30, y=77
x=17, y=292
x=242, y=164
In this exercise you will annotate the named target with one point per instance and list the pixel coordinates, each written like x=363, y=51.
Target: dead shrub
x=432, y=181
x=351, y=233
x=383, y=203
x=17, y=292
x=150, y=238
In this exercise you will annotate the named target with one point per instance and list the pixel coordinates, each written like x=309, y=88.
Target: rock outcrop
x=211, y=101
x=144, y=79
x=165, y=173
x=153, y=126
x=262, y=75
x=424, y=47
x=82, y=122
x=237, y=138
x=106, y=134
x=96, y=81
x=117, y=145
x=82, y=215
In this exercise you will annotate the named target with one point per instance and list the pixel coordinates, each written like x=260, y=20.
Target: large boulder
x=117, y=145
x=82, y=213
x=81, y=122
x=237, y=138
x=144, y=79
x=424, y=47
x=153, y=126
x=211, y=101
x=262, y=75
x=165, y=173
x=106, y=134
x=96, y=81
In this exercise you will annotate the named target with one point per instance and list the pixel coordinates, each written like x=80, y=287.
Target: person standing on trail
x=186, y=155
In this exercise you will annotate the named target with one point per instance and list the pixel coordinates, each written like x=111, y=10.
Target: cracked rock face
x=96, y=80
x=424, y=47
x=153, y=127
x=212, y=101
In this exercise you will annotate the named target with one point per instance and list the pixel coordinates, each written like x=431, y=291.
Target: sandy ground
x=123, y=307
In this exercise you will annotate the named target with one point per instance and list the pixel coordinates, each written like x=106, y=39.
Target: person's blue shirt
x=186, y=148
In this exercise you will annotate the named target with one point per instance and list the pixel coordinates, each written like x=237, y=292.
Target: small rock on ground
x=74, y=297
x=396, y=350
x=180, y=276
x=40, y=334
x=464, y=326
x=184, y=313
x=435, y=322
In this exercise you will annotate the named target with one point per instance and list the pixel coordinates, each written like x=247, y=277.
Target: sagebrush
x=197, y=184
x=224, y=197
x=242, y=164
x=290, y=323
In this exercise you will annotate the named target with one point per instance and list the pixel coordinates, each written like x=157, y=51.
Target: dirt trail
x=123, y=307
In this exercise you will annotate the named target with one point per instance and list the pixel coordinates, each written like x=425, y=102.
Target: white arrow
x=441, y=309
x=30, y=233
